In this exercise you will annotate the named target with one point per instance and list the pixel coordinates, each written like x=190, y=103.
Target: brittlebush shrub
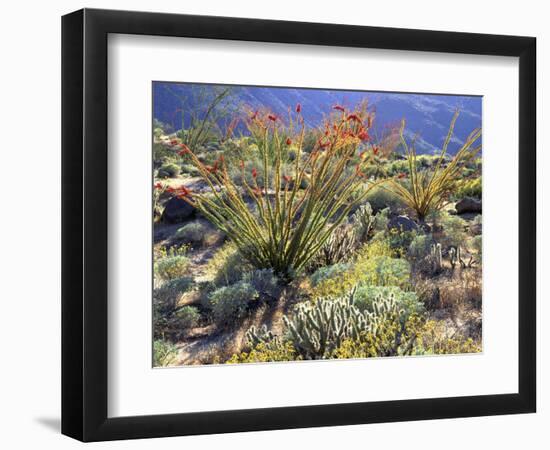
x=171, y=267
x=227, y=265
x=263, y=352
x=375, y=265
x=164, y=353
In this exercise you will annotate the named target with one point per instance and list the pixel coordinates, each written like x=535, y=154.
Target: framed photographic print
x=274, y=224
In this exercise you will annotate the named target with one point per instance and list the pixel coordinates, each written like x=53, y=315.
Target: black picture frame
x=84, y=224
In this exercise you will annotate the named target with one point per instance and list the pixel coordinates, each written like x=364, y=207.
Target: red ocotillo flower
x=257, y=192
x=355, y=118
x=272, y=117
x=183, y=192
x=288, y=141
x=369, y=121
x=170, y=189
x=324, y=144
x=174, y=142
x=401, y=175
x=254, y=173
x=358, y=171
x=375, y=150
x=298, y=108
x=363, y=135
x=287, y=178
x=184, y=150
x=158, y=186
x=338, y=108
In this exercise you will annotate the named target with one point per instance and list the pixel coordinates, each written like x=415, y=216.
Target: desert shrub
x=264, y=281
x=338, y=247
x=170, y=170
x=381, y=219
x=366, y=297
x=433, y=338
x=230, y=303
x=227, y=266
x=190, y=169
x=164, y=353
x=375, y=264
x=263, y=352
x=187, y=316
x=328, y=272
x=477, y=245
x=419, y=246
x=454, y=230
x=169, y=292
x=171, y=267
x=381, y=197
x=469, y=188
x=400, y=240
x=192, y=233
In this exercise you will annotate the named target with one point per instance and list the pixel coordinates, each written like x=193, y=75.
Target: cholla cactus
x=255, y=336
x=362, y=222
x=435, y=257
x=316, y=330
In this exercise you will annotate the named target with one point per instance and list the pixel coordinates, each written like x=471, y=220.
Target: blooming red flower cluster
x=288, y=141
x=375, y=150
x=355, y=118
x=272, y=117
x=338, y=108
x=173, y=142
x=158, y=186
x=298, y=108
x=254, y=173
x=184, y=150
x=401, y=175
x=363, y=135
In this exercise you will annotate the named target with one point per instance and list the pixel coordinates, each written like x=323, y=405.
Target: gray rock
x=468, y=205
x=402, y=223
x=177, y=210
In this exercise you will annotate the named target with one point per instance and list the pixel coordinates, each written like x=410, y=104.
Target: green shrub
x=263, y=281
x=192, y=233
x=188, y=316
x=227, y=265
x=470, y=188
x=477, y=244
x=230, y=303
x=454, y=230
x=171, y=267
x=167, y=295
x=380, y=197
x=190, y=169
x=171, y=170
x=328, y=272
x=164, y=353
x=263, y=352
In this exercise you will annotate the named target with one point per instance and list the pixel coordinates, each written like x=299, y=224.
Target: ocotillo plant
x=428, y=190
x=286, y=220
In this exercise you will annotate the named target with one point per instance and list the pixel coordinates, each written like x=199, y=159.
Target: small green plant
x=169, y=170
x=192, y=233
x=427, y=190
x=187, y=316
x=164, y=353
x=454, y=230
x=470, y=188
x=167, y=295
x=263, y=281
x=226, y=265
x=171, y=267
x=230, y=303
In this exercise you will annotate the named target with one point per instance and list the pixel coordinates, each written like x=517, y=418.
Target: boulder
x=402, y=223
x=468, y=205
x=177, y=210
